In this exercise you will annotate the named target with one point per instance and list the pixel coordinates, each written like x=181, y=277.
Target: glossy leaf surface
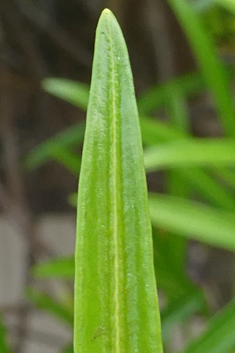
x=116, y=306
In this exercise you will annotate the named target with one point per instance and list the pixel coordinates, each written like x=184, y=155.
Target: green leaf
x=157, y=96
x=180, y=311
x=189, y=153
x=227, y=174
x=154, y=132
x=178, y=116
x=214, y=72
x=3, y=341
x=75, y=93
x=116, y=306
x=203, y=183
x=193, y=220
x=58, y=148
x=227, y=4
x=50, y=305
x=62, y=267
x=219, y=336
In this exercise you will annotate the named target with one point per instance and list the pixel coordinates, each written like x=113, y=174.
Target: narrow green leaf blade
x=116, y=306
x=219, y=336
x=227, y=4
x=213, y=70
x=62, y=267
x=193, y=220
x=190, y=153
x=76, y=93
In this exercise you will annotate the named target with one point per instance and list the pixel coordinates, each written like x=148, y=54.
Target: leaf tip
x=106, y=15
x=106, y=12
x=46, y=84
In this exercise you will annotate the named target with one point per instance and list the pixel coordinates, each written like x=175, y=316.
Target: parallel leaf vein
x=115, y=201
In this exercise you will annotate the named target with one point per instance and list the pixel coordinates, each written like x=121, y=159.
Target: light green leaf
x=190, y=153
x=193, y=220
x=154, y=131
x=209, y=188
x=62, y=267
x=219, y=336
x=75, y=93
x=116, y=306
x=212, y=69
x=227, y=174
x=227, y=4
x=178, y=116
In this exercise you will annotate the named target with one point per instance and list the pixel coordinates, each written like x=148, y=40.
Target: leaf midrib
x=115, y=203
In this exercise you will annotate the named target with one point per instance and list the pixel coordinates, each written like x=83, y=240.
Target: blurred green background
x=183, y=59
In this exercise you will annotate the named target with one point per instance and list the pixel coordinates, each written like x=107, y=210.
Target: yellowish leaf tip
x=106, y=12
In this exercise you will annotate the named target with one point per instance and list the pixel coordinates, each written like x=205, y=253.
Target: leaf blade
x=113, y=236
x=193, y=220
x=219, y=336
x=213, y=70
x=191, y=152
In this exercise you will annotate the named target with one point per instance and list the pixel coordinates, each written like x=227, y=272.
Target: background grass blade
x=193, y=220
x=219, y=336
x=178, y=116
x=116, y=307
x=212, y=69
x=227, y=4
x=75, y=93
x=200, y=152
x=62, y=267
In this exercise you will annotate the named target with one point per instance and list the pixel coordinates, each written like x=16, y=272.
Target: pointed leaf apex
x=106, y=12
